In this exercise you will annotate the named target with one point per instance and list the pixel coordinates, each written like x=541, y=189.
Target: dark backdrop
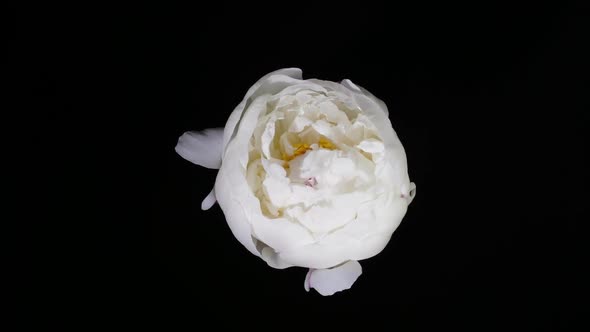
x=488, y=102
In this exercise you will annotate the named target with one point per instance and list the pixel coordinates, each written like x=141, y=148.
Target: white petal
x=323, y=219
x=302, y=86
x=299, y=123
x=329, y=251
x=202, y=147
x=209, y=201
x=273, y=259
x=332, y=86
x=332, y=113
x=329, y=281
x=233, y=193
x=348, y=83
x=240, y=141
x=280, y=234
x=235, y=215
x=359, y=89
x=306, y=282
x=377, y=115
x=267, y=138
x=253, y=92
x=344, y=245
x=371, y=145
x=412, y=192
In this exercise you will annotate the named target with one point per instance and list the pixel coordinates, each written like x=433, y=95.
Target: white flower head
x=311, y=174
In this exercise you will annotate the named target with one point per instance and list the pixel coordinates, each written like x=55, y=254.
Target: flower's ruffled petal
x=353, y=87
x=333, y=86
x=330, y=251
x=300, y=86
x=273, y=259
x=231, y=187
x=376, y=112
x=202, y=147
x=235, y=215
x=209, y=201
x=359, y=89
x=353, y=241
x=253, y=92
x=280, y=234
x=380, y=217
x=336, y=279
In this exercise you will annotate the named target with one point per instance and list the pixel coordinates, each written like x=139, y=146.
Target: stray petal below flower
x=336, y=279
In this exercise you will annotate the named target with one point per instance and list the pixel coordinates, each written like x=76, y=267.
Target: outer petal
x=273, y=259
x=329, y=281
x=252, y=93
x=233, y=210
x=209, y=201
x=377, y=113
x=324, y=254
x=359, y=89
x=233, y=193
x=338, y=247
x=280, y=234
x=202, y=147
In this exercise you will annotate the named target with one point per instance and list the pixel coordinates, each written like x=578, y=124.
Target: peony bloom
x=311, y=174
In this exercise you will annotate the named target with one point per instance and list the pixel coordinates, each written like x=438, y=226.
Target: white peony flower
x=311, y=174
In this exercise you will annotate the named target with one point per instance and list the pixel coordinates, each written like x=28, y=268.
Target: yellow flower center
x=302, y=148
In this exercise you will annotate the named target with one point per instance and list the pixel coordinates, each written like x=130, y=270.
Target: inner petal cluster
x=312, y=159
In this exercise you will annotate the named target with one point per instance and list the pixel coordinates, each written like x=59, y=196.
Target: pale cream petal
x=202, y=147
x=336, y=279
x=253, y=92
x=209, y=201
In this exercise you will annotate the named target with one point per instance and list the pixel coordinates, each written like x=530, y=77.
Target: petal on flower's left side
x=231, y=187
x=235, y=214
x=209, y=201
x=336, y=279
x=202, y=147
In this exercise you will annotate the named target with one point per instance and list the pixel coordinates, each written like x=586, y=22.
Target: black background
x=488, y=102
